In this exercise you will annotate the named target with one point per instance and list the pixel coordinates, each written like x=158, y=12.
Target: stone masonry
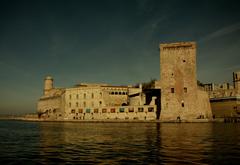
x=180, y=97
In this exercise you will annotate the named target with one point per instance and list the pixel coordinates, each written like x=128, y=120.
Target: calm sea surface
x=118, y=143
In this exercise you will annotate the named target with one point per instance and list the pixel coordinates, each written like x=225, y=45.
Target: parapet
x=178, y=45
x=48, y=78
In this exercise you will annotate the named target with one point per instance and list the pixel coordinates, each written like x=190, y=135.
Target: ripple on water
x=119, y=143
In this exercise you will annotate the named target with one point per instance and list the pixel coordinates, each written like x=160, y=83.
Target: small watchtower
x=236, y=81
x=48, y=85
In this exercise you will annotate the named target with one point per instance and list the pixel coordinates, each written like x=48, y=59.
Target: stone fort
x=175, y=97
x=180, y=97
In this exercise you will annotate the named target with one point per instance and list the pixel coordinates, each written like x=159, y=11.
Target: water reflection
x=226, y=143
x=186, y=143
x=136, y=143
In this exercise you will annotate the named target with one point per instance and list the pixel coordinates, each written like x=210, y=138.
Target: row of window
x=84, y=104
x=84, y=96
x=118, y=93
x=51, y=111
x=112, y=110
x=184, y=89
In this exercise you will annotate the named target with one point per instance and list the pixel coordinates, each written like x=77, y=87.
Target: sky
x=108, y=41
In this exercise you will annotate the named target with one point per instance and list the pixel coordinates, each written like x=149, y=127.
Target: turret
x=48, y=85
x=236, y=81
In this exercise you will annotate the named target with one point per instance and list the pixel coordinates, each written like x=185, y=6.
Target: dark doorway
x=151, y=93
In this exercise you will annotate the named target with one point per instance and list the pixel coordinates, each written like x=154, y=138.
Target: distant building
x=225, y=98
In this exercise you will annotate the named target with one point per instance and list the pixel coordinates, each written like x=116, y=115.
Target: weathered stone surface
x=225, y=98
x=180, y=97
x=94, y=102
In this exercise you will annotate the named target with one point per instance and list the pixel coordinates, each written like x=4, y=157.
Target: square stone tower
x=236, y=81
x=180, y=97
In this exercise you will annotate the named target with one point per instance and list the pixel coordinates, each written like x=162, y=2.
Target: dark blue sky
x=111, y=41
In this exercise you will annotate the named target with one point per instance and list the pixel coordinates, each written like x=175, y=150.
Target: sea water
x=118, y=143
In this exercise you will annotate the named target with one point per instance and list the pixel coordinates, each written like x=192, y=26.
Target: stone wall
x=51, y=108
x=226, y=107
x=115, y=96
x=115, y=113
x=179, y=92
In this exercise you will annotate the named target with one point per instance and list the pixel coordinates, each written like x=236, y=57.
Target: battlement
x=178, y=45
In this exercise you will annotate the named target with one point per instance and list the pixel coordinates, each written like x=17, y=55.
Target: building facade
x=225, y=98
x=180, y=97
x=94, y=102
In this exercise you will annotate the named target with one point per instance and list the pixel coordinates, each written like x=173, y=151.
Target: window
x=77, y=96
x=88, y=110
x=80, y=110
x=84, y=104
x=73, y=111
x=104, y=110
x=184, y=60
x=121, y=110
x=116, y=93
x=150, y=109
x=185, y=90
x=112, y=93
x=100, y=103
x=131, y=109
x=172, y=90
x=70, y=96
x=84, y=96
x=182, y=104
x=100, y=94
x=54, y=110
x=96, y=110
x=140, y=109
x=113, y=110
x=76, y=104
x=92, y=104
x=69, y=104
x=92, y=95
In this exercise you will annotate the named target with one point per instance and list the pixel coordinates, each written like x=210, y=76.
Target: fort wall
x=180, y=98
